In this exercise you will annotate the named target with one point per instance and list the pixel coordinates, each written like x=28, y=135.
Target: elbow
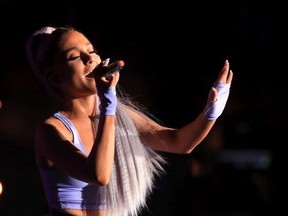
x=99, y=174
x=103, y=180
x=187, y=150
x=102, y=177
x=99, y=177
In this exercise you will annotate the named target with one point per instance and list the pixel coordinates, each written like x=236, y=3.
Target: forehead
x=72, y=39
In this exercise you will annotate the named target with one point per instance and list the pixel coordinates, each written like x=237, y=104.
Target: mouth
x=89, y=74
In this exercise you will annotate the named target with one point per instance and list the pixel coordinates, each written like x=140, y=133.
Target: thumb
x=212, y=95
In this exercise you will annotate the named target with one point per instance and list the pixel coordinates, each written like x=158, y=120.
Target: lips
x=89, y=75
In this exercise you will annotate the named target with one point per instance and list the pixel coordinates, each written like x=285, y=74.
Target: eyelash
x=76, y=57
x=94, y=51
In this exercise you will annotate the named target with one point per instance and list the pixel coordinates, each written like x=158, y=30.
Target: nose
x=88, y=59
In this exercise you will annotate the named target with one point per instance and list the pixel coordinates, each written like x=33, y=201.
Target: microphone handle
x=113, y=67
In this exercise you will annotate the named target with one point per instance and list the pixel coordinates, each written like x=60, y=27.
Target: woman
x=97, y=154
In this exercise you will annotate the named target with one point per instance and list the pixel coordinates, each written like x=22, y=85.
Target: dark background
x=172, y=52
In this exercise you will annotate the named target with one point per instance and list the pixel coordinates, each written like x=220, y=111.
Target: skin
x=53, y=141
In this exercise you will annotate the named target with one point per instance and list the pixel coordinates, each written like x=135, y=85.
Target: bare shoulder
x=53, y=126
x=51, y=137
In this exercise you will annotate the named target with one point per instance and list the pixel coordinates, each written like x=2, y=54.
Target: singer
x=98, y=153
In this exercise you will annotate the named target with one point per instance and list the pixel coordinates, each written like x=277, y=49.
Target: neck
x=80, y=107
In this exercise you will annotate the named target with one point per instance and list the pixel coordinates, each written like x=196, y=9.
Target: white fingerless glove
x=108, y=100
x=214, y=109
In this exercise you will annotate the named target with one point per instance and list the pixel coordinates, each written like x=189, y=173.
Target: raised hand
x=219, y=93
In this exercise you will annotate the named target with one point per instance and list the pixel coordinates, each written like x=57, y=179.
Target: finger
x=230, y=77
x=212, y=94
x=224, y=72
x=100, y=66
x=106, y=62
x=114, y=77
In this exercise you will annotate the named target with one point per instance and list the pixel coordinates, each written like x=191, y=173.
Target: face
x=76, y=58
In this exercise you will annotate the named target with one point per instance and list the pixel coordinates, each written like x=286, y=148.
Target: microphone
x=112, y=68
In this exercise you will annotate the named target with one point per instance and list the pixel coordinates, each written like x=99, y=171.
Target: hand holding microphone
x=106, y=71
x=107, y=95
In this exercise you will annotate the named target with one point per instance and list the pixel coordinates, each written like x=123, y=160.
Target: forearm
x=102, y=154
x=189, y=136
x=192, y=134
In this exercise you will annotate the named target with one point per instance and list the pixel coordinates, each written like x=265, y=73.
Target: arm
x=101, y=157
x=185, y=139
x=54, y=145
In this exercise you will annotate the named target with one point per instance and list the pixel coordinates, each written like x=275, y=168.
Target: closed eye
x=94, y=51
x=72, y=58
x=76, y=57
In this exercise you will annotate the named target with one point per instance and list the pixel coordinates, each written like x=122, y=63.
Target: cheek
x=65, y=72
